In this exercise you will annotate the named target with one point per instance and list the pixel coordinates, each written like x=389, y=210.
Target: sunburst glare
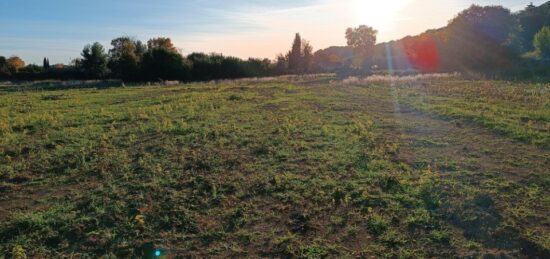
x=380, y=14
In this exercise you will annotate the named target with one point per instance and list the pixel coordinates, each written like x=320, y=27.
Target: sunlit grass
x=279, y=167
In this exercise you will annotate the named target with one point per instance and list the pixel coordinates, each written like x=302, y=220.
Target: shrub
x=541, y=43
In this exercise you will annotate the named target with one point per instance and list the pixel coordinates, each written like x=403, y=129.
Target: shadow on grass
x=59, y=85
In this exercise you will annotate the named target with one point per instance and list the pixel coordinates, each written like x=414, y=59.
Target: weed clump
x=377, y=224
x=299, y=222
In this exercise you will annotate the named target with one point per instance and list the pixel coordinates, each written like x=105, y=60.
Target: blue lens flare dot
x=157, y=253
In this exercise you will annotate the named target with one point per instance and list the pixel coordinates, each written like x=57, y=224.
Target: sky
x=59, y=29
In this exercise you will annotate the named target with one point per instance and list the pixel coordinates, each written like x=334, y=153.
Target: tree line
x=158, y=59
x=132, y=60
x=482, y=39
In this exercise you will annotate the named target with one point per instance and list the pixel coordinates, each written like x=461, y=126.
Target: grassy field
x=308, y=167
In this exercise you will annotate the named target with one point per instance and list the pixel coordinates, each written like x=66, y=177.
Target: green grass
x=519, y=111
x=288, y=167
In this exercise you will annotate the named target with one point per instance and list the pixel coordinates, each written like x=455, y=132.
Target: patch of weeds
x=204, y=187
x=299, y=222
x=441, y=236
x=234, y=219
x=313, y=251
x=430, y=191
x=284, y=245
x=421, y=165
x=18, y=252
x=447, y=166
x=338, y=195
x=364, y=201
x=210, y=236
x=46, y=228
x=173, y=217
x=388, y=183
x=337, y=221
x=546, y=179
x=483, y=200
x=288, y=197
x=392, y=238
x=521, y=212
x=473, y=245
x=52, y=97
x=419, y=218
x=377, y=225
x=234, y=97
x=260, y=150
x=244, y=237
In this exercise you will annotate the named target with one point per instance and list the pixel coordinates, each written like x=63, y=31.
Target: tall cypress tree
x=46, y=63
x=295, y=55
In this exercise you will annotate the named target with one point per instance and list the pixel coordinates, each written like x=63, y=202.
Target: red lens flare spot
x=422, y=53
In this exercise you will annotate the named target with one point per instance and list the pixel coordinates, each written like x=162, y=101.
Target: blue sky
x=58, y=29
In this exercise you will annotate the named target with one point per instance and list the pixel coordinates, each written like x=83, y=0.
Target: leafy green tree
x=94, y=61
x=362, y=40
x=541, y=43
x=532, y=19
x=161, y=63
x=4, y=69
x=217, y=66
x=203, y=66
x=332, y=58
x=125, y=57
x=493, y=22
x=307, y=59
x=281, y=64
x=15, y=64
x=161, y=43
x=32, y=69
x=480, y=38
x=257, y=67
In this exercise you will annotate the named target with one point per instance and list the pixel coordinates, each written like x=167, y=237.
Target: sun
x=380, y=14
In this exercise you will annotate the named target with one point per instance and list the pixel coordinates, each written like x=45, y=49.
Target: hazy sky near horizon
x=59, y=29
